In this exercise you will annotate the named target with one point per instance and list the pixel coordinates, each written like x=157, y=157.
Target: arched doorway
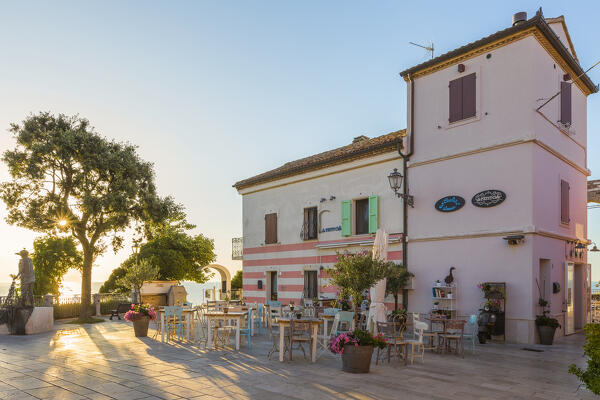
x=225, y=278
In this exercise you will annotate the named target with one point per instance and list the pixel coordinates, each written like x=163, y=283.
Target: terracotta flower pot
x=140, y=326
x=357, y=359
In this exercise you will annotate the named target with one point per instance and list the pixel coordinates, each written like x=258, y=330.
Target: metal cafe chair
x=274, y=335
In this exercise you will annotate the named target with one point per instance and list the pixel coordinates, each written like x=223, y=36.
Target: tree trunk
x=86, y=283
x=395, y=301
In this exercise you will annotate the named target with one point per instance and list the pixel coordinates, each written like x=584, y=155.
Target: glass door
x=570, y=292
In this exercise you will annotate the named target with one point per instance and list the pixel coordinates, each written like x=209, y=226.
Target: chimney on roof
x=519, y=18
x=360, y=139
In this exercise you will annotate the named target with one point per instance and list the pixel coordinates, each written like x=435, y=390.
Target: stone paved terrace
x=105, y=361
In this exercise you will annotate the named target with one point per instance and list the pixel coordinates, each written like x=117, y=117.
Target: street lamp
x=395, y=179
x=136, y=249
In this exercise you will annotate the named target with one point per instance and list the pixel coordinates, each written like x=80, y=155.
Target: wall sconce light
x=395, y=179
x=595, y=248
x=259, y=283
x=514, y=239
x=461, y=67
x=331, y=197
x=322, y=199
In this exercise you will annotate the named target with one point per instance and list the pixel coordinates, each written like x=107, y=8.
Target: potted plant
x=140, y=315
x=438, y=283
x=356, y=348
x=398, y=315
x=435, y=305
x=354, y=274
x=397, y=278
x=545, y=324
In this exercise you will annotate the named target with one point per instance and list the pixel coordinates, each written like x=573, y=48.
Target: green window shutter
x=346, y=219
x=373, y=214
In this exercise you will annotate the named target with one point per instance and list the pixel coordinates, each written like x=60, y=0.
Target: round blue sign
x=449, y=203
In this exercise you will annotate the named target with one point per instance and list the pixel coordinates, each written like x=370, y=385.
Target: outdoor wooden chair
x=453, y=333
x=299, y=333
x=418, y=344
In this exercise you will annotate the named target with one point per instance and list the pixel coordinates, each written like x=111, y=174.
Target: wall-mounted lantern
x=395, y=179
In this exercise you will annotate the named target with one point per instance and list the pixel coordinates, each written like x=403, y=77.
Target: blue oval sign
x=488, y=198
x=449, y=203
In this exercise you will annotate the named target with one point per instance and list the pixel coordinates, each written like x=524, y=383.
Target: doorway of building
x=576, y=277
x=271, y=285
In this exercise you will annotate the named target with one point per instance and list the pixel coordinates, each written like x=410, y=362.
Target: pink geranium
x=139, y=311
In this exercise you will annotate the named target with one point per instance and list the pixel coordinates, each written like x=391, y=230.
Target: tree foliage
x=66, y=176
x=590, y=377
x=113, y=283
x=52, y=257
x=396, y=279
x=178, y=256
x=355, y=273
x=137, y=274
x=236, y=281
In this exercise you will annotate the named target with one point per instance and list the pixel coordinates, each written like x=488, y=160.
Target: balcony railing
x=237, y=248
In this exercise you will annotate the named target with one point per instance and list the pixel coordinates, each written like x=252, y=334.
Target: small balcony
x=237, y=248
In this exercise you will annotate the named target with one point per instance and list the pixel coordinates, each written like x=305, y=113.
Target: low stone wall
x=41, y=320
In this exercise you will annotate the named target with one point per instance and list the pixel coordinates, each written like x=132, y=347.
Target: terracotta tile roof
x=537, y=21
x=360, y=148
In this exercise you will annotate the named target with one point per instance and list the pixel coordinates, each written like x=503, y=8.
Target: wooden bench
x=121, y=309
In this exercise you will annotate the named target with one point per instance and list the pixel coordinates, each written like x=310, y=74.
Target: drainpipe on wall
x=405, y=158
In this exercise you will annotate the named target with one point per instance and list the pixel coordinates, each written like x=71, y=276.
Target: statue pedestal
x=29, y=321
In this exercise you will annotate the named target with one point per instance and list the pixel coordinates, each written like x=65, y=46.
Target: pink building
x=498, y=174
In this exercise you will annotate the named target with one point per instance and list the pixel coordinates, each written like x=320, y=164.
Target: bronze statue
x=27, y=278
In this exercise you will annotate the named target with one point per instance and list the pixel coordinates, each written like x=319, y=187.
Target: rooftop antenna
x=428, y=48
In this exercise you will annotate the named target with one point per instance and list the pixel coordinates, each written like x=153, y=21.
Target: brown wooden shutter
x=565, y=103
x=271, y=228
x=564, y=202
x=456, y=101
x=468, y=96
x=305, y=228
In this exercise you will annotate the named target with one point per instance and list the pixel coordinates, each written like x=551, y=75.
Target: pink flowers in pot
x=356, y=338
x=139, y=311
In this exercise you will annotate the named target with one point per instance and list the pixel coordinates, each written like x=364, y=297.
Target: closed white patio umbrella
x=377, y=311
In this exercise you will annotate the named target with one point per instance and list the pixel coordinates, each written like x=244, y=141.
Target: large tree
x=66, y=176
x=52, y=257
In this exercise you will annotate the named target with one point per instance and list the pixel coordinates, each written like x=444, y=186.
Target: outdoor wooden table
x=229, y=316
x=314, y=335
x=187, y=312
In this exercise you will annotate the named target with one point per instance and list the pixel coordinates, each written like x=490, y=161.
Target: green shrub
x=590, y=377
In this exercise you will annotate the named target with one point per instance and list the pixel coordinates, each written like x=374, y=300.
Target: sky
x=214, y=92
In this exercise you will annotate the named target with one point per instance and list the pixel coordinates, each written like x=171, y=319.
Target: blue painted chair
x=174, y=321
x=331, y=311
x=471, y=331
x=246, y=328
x=258, y=317
x=343, y=322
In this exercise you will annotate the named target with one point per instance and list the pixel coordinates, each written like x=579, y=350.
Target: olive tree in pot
x=353, y=274
x=546, y=325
